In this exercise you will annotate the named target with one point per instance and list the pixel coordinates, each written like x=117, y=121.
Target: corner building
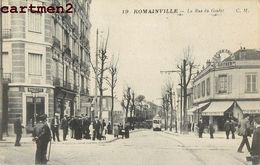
x=227, y=88
x=46, y=61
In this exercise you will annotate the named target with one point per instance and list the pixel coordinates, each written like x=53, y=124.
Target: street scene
x=143, y=147
x=135, y=82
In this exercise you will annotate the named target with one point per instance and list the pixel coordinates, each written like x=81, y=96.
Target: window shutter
x=229, y=83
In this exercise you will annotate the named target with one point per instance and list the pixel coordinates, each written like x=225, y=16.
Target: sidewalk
x=27, y=139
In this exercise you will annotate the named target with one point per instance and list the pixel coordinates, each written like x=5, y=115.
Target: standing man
x=55, y=127
x=233, y=128
x=227, y=127
x=65, y=126
x=255, y=148
x=201, y=127
x=244, y=129
x=211, y=130
x=18, y=130
x=42, y=136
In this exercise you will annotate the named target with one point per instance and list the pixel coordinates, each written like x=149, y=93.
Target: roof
x=245, y=54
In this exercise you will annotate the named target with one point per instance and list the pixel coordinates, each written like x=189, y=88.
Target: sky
x=149, y=43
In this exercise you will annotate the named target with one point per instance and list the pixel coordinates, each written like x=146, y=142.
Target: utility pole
x=1, y=76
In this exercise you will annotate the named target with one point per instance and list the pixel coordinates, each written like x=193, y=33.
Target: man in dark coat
x=255, y=147
x=65, y=127
x=211, y=130
x=18, y=130
x=227, y=127
x=233, y=128
x=201, y=128
x=244, y=127
x=42, y=136
x=55, y=124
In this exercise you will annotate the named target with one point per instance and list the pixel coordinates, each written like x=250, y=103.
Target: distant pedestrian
x=116, y=130
x=227, y=128
x=244, y=130
x=211, y=130
x=233, y=128
x=109, y=128
x=18, y=130
x=200, y=127
x=72, y=125
x=65, y=127
x=42, y=136
x=255, y=147
x=55, y=124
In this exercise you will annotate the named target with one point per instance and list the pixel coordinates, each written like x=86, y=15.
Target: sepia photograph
x=136, y=82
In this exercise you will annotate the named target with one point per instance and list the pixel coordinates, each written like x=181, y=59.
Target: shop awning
x=217, y=108
x=195, y=108
x=249, y=107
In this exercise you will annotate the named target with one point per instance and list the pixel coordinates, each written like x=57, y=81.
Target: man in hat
x=18, y=130
x=42, y=136
x=55, y=127
x=244, y=127
x=65, y=126
x=255, y=147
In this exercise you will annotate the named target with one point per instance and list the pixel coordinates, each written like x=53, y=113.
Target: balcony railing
x=6, y=33
x=67, y=50
x=7, y=77
x=75, y=29
x=56, y=82
x=56, y=42
x=67, y=19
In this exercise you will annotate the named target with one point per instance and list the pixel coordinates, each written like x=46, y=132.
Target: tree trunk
x=171, y=111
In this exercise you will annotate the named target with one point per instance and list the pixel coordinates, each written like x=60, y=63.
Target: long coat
x=244, y=126
x=255, y=149
x=18, y=127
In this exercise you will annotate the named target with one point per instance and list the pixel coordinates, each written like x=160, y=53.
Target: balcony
x=67, y=51
x=67, y=85
x=6, y=33
x=75, y=88
x=67, y=19
x=55, y=42
x=84, y=92
x=75, y=29
x=56, y=82
x=7, y=77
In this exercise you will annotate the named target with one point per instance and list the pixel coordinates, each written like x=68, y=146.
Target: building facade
x=46, y=60
x=228, y=88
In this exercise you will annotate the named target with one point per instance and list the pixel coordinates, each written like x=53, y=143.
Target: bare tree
x=125, y=103
x=169, y=93
x=100, y=69
x=186, y=69
x=111, y=82
x=132, y=110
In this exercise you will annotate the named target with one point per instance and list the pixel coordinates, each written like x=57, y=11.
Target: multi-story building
x=228, y=88
x=47, y=60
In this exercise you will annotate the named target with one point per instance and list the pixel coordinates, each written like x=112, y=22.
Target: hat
x=56, y=114
x=257, y=120
x=42, y=117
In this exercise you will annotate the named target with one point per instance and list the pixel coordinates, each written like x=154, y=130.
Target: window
x=222, y=84
x=35, y=64
x=208, y=86
x=251, y=82
x=203, y=88
x=198, y=89
x=35, y=22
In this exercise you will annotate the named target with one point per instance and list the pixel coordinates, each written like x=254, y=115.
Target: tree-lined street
x=143, y=147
